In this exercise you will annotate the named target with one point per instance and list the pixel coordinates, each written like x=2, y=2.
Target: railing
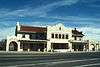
x=81, y=41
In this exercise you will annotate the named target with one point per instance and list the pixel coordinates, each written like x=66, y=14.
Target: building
x=55, y=38
x=93, y=45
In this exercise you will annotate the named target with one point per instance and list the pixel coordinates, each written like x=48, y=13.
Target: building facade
x=94, y=45
x=56, y=38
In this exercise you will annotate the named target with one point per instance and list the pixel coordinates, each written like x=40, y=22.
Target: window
x=59, y=35
x=56, y=35
x=52, y=35
x=23, y=36
x=59, y=28
x=66, y=36
x=75, y=38
x=60, y=45
x=62, y=36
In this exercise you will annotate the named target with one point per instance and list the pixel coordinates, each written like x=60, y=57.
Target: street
x=49, y=61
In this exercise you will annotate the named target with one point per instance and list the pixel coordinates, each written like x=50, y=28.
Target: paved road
x=49, y=61
x=93, y=62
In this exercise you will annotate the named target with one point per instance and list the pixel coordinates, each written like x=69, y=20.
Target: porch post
x=48, y=45
x=7, y=45
x=28, y=47
x=18, y=43
x=70, y=47
x=45, y=47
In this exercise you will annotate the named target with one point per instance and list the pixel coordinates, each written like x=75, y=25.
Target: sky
x=81, y=14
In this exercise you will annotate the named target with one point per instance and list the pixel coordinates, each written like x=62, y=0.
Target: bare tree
x=3, y=44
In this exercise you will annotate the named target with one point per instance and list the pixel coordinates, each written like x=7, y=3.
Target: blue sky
x=82, y=14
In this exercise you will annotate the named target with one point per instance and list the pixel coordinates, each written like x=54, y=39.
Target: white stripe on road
x=54, y=62
x=88, y=65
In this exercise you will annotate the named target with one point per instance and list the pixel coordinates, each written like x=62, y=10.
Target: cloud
x=94, y=5
x=82, y=21
x=75, y=18
x=42, y=11
x=91, y=33
x=4, y=32
x=38, y=11
x=6, y=24
x=91, y=30
x=89, y=1
x=54, y=5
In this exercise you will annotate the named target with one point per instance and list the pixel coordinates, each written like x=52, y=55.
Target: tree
x=3, y=44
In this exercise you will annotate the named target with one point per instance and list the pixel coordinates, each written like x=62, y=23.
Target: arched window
x=13, y=46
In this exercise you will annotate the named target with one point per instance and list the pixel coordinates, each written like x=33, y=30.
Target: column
x=84, y=47
x=45, y=47
x=7, y=45
x=97, y=47
x=48, y=45
x=28, y=47
x=21, y=46
x=18, y=43
x=70, y=47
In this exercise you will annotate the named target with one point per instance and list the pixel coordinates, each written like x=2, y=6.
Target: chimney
x=18, y=26
x=75, y=29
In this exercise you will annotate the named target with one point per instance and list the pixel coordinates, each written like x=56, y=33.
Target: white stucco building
x=93, y=45
x=50, y=38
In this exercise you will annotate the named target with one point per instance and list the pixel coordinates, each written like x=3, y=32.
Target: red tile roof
x=32, y=29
